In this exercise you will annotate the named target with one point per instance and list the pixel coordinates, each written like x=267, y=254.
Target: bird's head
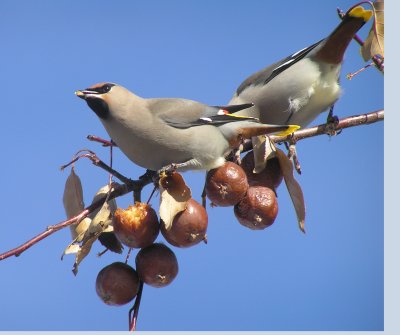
x=103, y=98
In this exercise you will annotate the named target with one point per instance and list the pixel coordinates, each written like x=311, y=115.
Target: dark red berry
x=137, y=226
x=188, y=227
x=226, y=185
x=117, y=284
x=157, y=265
x=258, y=209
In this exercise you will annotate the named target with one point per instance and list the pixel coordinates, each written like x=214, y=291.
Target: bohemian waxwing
x=156, y=133
x=298, y=88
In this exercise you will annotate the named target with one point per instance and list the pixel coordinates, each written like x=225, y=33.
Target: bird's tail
x=251, y=130
x=237, y=131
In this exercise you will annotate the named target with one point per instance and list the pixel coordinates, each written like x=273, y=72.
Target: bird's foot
x=169, y=169
x=331, y=123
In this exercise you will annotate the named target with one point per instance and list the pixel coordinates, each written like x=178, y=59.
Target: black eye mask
x=102, y=89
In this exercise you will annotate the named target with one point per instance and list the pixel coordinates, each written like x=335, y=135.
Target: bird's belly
x=322, y=97
x=154, y=151
x=289, y=99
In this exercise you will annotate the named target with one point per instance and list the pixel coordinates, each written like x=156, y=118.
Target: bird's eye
x=106, y=88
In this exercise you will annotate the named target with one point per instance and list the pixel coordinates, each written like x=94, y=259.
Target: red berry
x=258, y=209
x=226, y=185
x=157, y=265
x=117, y=284
x=137, y=226
x=188, y=227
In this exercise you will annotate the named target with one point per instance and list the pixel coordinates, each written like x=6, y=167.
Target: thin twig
x=135, y=309
x=119, y=190
x=104, y=142
x=98, y=162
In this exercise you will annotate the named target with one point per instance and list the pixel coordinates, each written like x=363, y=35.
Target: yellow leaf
x=374, y=44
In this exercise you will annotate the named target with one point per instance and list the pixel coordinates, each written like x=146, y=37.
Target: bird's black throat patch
x=99, y=106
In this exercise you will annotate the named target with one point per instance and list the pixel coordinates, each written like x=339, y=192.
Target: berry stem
x=135, y=309
x=128, y=255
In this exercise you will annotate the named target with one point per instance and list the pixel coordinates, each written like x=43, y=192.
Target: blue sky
x=275, y=279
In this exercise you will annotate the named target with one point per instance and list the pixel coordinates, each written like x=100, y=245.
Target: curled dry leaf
x=294, y=189
x=98, y=224
x=80, y=230
x=374, y=44
x=89, y=229
x=102, y=192
x=73, y=199
x=174, y=195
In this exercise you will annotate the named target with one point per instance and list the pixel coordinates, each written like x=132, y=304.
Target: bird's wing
x=182, y=113
x=267, y=74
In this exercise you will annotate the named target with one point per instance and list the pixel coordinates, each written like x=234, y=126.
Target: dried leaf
x=110, y=241
x=100, y=222
x=263, y=149
x=89, y=229
x=294, y=189
x=73, y=199
x=71, y=249
x=102, y=192
x=83, y=252
x=74, y=246
x=374, y=44
x=82, y=228
x=174, y=195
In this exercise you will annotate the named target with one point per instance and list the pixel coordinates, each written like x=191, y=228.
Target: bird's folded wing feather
x=182, y=113
x=267, y=74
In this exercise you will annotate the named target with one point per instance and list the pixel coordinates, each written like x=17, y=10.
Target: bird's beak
x=80, y=94
x=84, y=94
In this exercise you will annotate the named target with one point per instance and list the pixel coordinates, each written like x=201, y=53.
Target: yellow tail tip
x=289, y=130
x=360, y=12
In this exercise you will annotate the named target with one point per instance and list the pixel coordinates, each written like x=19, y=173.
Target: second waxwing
x=298, y=88
x=156, y=133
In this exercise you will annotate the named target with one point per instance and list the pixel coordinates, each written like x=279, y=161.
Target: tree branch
x=137, y=185
x=327, y=128
x=119, y=190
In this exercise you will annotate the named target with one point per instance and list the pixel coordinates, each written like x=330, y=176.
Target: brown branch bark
x=327, y=128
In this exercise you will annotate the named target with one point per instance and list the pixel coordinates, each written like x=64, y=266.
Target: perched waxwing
x=157, y=133
x=298, y=88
